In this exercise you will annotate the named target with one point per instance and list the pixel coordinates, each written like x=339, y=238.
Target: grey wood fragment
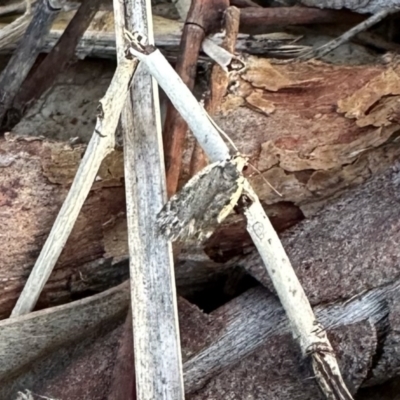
x=256, y=317
x=102, y=44
x=158, y=364
x=28, y=49
x=23, y=339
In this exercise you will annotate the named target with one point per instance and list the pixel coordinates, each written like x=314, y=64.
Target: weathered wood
x=99, y=39
x=100, y=145
x=59, y=56
x=158, y=364
x=21, y=62
x=13, y=8
x=253, y=348
x=245, y=347
x=10, y=33
x=24, y=339
x=74, y=371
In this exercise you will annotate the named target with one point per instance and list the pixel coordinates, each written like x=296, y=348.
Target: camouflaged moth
x=204, y=202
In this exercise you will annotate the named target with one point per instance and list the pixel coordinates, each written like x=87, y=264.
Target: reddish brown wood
x=255, y=16
x=219, y=83
x=123, y=382
x=203, y=18
x=244, y=3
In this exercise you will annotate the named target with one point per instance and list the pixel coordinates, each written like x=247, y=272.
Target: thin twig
x=345, y=37
x=101, y=143
x=218, y=83
x=203, y=18
x=311, y=336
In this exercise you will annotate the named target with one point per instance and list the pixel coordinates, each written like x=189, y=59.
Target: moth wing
x=181, y=216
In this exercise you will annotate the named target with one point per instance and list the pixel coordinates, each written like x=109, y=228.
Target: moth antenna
x=265, y=180
x=224, y=134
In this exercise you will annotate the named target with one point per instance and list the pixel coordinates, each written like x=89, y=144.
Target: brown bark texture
x=313, y=130
x=35, y=176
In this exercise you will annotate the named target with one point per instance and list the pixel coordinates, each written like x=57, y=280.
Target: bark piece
x=99, y=41
x=80, y=370
x=277, y=371
x=313, y=152
x=30, y=202
x=123, y=383
x=347, y=248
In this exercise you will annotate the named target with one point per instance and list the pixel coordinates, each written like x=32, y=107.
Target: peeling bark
x=34, y=182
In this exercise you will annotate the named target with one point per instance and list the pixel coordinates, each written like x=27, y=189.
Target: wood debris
x=324, y=135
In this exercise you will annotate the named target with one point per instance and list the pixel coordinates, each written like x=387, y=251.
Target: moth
x=204, y=202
